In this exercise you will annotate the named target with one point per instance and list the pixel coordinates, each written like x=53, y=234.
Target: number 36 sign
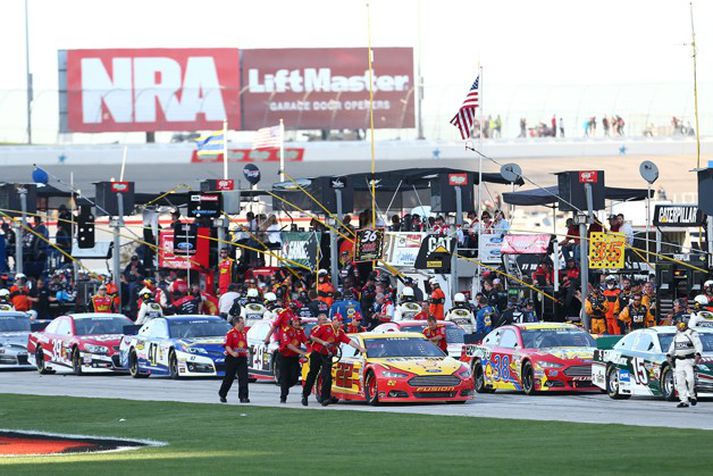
x=369, y=244
x=606, y=250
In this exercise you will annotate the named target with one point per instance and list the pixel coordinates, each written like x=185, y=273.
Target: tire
x=371, y=389
x=479, y=377
x=76, y=362
x=173, y=365
x=668, y=389
x=613, y=384
x=528, y=378
x=40, y=361
x=134, y=366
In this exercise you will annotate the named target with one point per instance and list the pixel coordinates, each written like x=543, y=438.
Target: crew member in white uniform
x=461, y=313
x=149, y=309
x=408, y=307
x=685, y=353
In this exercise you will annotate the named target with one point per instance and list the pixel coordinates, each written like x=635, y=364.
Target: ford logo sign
x=184, y=246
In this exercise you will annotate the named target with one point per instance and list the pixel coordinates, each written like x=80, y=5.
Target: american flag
x=268, y=138
x=465, y=117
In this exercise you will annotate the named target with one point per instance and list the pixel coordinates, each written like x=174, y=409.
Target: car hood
x=105, y=339
x=420, y=366
x=566, y=353
x=14, y=338
x=211, y=344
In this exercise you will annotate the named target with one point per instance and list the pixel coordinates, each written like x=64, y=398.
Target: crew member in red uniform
x=324, y=345
x=236, y=361
x=281, y=321
x=438, y=299
x=354, y=326
x=436, y=333
x=101, y=302
x=225, y=271
x=292, y=337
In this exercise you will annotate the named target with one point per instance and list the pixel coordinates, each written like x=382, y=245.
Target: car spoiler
x=131, y=330
x=38, y=326
x=606, y=342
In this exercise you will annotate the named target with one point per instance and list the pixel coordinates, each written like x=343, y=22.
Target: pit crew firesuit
x=636, y=317
x=596, y=309
x=685, y=348
x=612, y=301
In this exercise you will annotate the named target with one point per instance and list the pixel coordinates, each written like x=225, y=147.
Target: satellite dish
x=649, y=171
x=511, y=172
x=251, y=173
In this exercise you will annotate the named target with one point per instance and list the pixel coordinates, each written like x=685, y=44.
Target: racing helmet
x=4, y=293
x=407, y=292
x=20, y=276
x=433, y=282
x=270, y=297
x=322, y=272
x=700, y=300
x=252, y=293
x=708, y=284
x=144, y=292
x=459, y=297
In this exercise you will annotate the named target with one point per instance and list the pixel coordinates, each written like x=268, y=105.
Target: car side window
x=626, y=342
x=645, y=343
x=492, y=338
x=63, y=328
x=508, y=339
x=160, y=329
x=146, y=331
x=52, y=326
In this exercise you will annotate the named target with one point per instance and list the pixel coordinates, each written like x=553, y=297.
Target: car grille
x=579, y=371
x=115, y=360
x=434, y=381
x=7, y=359
x=22, y=360
x=583, y=384
x=434, y=394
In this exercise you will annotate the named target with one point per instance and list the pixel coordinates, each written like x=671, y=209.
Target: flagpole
x=480, y=137
x=282, y=150
x=695, y=91
x=371, y=116
x=225, y=149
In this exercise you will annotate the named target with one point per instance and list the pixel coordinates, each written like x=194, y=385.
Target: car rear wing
x=131, y=330
x=607, y=342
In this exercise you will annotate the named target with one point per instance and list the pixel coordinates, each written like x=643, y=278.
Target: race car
x=15, y=327
x=262, y=364
x=532, y=358
x=636, y=364
x=455, y=335
x=398, y=367
x=81, y=342
x=176, y=346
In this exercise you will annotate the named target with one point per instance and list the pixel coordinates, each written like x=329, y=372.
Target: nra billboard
x=327, y=88
x=126, y=90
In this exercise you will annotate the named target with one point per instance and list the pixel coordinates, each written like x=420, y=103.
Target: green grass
x=217, y=439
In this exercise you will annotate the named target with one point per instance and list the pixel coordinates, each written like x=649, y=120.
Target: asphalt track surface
x=584, y=408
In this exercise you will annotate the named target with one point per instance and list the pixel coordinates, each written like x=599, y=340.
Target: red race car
x=81, y=342
x=533, y=358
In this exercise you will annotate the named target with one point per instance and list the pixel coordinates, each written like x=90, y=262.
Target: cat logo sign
x=435, y=253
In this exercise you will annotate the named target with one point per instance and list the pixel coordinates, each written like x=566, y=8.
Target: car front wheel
x=528, y=378
x=40, y=361
x=134, y=366
x=613, y=384
x=668, y=390
x=76, y=362
x=371, y=389
x=479, y=377
x=173, y=365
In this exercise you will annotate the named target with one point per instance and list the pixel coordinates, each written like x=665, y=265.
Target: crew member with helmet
x=236, y=361
x=149, y=309
x=461, y=313
x=636, y=315
x=20, y=294
x=708, y=290
x=253, y=308
x=325, y=289
x=437, y=301
x=701, y=315
x=596, y=308
x=5, y=304
x=280, y=319
x=292, y=337
x=436, y=333
x=101, y=301
x=408, y=307
x=611, y=297
x=684, y=354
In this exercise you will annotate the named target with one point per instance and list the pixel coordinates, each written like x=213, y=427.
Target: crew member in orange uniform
x=611, y=296
x=438, y=299
x=325, y=290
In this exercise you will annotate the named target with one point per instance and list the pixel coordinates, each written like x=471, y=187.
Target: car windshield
x=14, y=324
x=454, y=334
x=401, y=347
x=558, y=337
x=188, y=329
x=89, y=326
x=706, y=340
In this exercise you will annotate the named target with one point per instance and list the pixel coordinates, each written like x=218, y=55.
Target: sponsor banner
x=124, y=90
x=678, y=215
x=435, y=253
x=401, y=248
x=606, y=250
x=458, y=180
x=300, y=247
x=525, y=244
x=251, y=155
x=369, y=245
x=588, y=176
x=199, y=260
x=205, y=204
x=489, y=248
x=327, y=88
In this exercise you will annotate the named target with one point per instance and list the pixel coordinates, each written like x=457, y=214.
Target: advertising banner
x=678, y=215
x=401, y=248
x=606, y=250
x=300, y=247
x=198, y=258
x=327, y=88
x=525, y=244
x=435, y=253
x=489, y=248
x=369, y=245
x=124, y=90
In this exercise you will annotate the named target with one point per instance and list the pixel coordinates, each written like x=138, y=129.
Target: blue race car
x=176, y=346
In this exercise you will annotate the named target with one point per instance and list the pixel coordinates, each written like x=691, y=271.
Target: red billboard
x=327, y=88
x=123, y=90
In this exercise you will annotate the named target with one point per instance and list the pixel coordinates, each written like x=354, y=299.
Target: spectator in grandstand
x=500, y=225
x=614, y=224
x=561, y=123
x=523, y=127
x=626, y=229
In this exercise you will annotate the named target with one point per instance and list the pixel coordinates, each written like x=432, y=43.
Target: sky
x=573, y=58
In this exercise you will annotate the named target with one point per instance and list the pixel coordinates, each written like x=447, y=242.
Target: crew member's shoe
x=682, y=405
x=223, y=399
x=304, y=401
x=325, y=402
x=244, y=400
x=283, y=399
x=694, y=402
